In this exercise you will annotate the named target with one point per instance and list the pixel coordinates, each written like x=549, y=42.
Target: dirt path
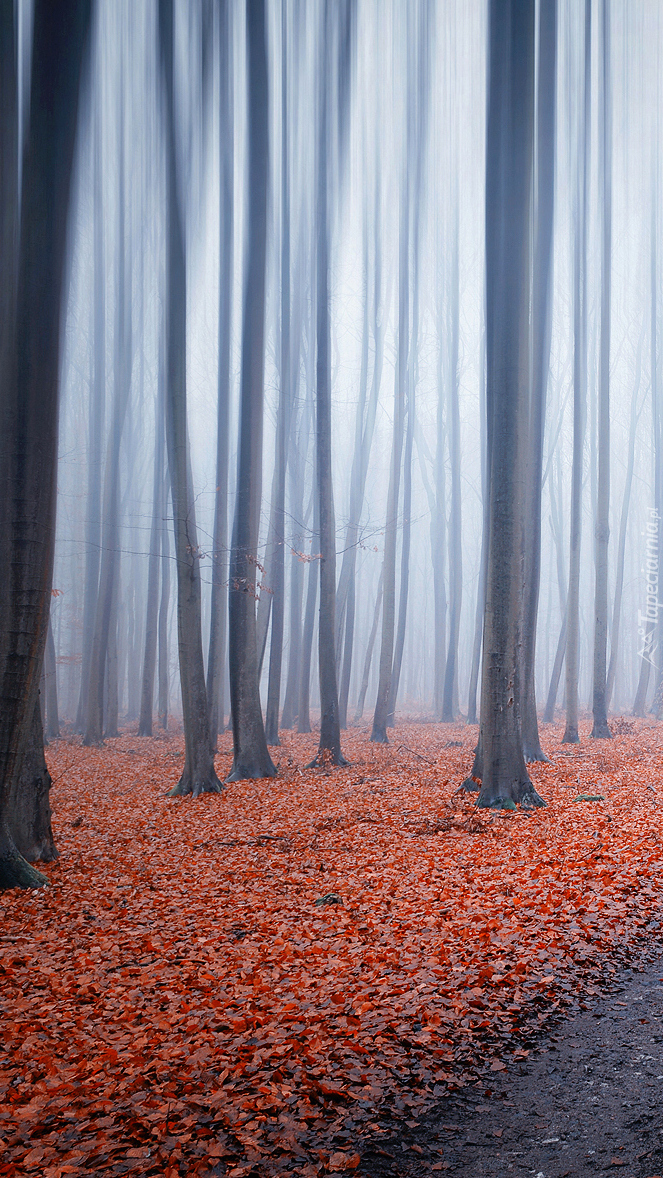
x=588, y=1101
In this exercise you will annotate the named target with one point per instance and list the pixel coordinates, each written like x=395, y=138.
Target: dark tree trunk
x=481, y=583
x=251, y=756
x=198, y=775
x=600, y=727
x=216, y=661
x=29, y=384
x=541, y=333
x=31, y=810
x=510, y=135
x=95, y=434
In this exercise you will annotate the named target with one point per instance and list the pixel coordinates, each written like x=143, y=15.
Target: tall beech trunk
x=296, y=500
x=29, y=384
x=510, y=134
x=198, y=774
x=649, y=626
x=481, y=582
x=216, y=660
x=283, y=423
x=600, y=727
x=623, y=521
x=104, y=617
x=381, y=714
x=152, y=612
x=96, y=410
x=541, y=335
x=579, y=391
x=162, y=627
x=330, y=731
x=455, y=523
x=52, y=726
x=368, y=657
x=251, y=757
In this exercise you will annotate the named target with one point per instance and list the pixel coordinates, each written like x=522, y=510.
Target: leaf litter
x=255, y=983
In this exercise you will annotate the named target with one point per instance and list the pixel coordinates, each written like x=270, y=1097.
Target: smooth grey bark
x=439, y=538
x=198, y=774
x=52, y=726
x=368, y=657
x=648, y=631
x=562, y=583
x=623, y=521
x=600, y=729
x=29, y=382
x=303, y=717
x=96, y=410
x=541, y=336
x=455, y=521
x=472, y=717
x=283, y=422
x=333, y=26
x=216, y=660
x=162, y=627
x=111, y=697
x=105, y=617
x=251, y=757
x=509, y=151
x=145, y=719
x=381, y=713
x=364, y=430
x=571, y=735
x=296, y=499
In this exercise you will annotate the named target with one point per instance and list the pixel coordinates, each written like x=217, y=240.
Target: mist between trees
x=350, y=313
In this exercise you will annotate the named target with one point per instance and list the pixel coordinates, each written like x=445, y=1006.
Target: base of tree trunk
x=325, y=757
x=251, y=771
x=272, y=740
x=15, y=871
x=379, y=736
x=570, y=736
x=535, y=753
x=601, y=731
x=520, y=793
x=471, y=785
x=187, y=785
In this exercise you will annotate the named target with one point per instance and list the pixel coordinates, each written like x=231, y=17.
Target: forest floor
x=339, y=970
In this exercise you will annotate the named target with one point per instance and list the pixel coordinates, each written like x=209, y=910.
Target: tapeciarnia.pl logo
x=647, y=621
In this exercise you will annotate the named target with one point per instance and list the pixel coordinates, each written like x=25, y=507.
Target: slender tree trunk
x=29, y=380
x=541, y=334
x=52, y=728
x=455, y=546
x=198, y=775
x=330, y=731
x=649, y=626
x=579, y=395
x=369, y=652
x=481, y=583
x=251, y=757
x=600, y=728
x=152, y=613
x=95, y=433
x=216, y=661
x=621, y=543
x=162, y=629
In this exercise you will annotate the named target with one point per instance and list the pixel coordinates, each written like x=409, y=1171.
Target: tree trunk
x=29, y=380
x=510, y=136
x=152, y=612
x=162, y=631
x=369, y=652
x=198, y=775
x=52, y=729
x=579, y=394
x=541, y=334
x=455, y=524
x=216, y=661
x=251, y=757
x=600, y=728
